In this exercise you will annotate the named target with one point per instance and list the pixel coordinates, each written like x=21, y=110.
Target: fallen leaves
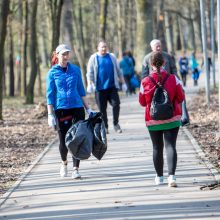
x=204, y=125
x=24, y=134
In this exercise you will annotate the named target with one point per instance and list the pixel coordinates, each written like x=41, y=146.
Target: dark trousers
x=65, y=118
x=128, y=83
x=102, y=99
x=183, y=76
x=195, y=76
x=158, y=138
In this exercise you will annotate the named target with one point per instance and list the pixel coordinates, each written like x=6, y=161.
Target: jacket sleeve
x=142, y=100
x=173, y=69
x=180, y=64
x=51, y=89
x=145, y=68
x=80, y=86
x=179, y=95
x=118, y=70
x=90, y=70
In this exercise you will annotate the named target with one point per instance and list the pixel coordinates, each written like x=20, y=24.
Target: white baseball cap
x=62, y=48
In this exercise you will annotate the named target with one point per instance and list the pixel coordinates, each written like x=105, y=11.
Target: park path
x=121, y=185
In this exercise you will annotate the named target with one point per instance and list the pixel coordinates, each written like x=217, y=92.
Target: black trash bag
x=100, y=140
x=185, y=120
x=79, y=139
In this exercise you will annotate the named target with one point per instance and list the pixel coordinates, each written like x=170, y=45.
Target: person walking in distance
x=127, y=68
x=162, y=132
x=169, y=65
x=66, y=101
x=194, y=66
x=103, y=74
x=184, y=67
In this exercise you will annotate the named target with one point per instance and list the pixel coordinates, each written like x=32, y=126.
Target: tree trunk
x=144, y=33
x=24, y=49
x=95, y=36
x=103, y=18
x=78, y=42
x=204, y=46
x=119, y=29
x=81, y=29
x=212, y=15
x=3, y=30
x=197, y=26
x=177, y=40
x=160, y=25
x=40, y=92
x=191, y=28
x=11, y=60
x=132, y=25
x=18, y=57
x=33, y=53
x=169, y=32
x=182, y=38
x=56, y=9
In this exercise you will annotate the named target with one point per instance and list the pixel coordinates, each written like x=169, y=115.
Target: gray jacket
x=92, y=70
x=169, y=66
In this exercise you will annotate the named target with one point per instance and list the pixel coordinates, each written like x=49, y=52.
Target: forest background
x=31, y=30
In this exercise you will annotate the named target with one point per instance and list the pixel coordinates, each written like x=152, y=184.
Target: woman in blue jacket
x=194, y=66
x=66, y=100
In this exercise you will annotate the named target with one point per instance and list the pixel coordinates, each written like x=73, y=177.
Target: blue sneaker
x=159, y=180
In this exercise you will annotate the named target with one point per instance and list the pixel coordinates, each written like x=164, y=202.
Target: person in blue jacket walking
x=66, y=100
x=127, y=68
x=194, y=66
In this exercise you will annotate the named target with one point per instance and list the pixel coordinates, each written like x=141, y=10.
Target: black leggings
x=65, y=118
x=158, y=138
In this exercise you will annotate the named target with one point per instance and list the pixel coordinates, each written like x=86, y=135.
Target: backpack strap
x=165, y=79
x=155, y=83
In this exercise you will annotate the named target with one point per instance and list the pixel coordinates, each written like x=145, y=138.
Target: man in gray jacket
x=104, y=76
x=169, y=66
x=169, y=62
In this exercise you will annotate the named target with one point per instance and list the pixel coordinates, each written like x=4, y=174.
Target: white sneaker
x=117, y=128
x=172, y=181
x=63, y=170
x=76, y=175
x=159, y=180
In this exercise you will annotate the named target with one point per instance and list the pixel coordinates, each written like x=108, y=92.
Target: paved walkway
x=121, y=186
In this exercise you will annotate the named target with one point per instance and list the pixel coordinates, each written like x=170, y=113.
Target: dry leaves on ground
x=204, y=125
x=24, y=134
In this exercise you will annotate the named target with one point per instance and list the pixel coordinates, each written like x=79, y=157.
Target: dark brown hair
x=157, y=61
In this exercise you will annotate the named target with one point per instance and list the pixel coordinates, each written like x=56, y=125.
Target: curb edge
x=202, y=155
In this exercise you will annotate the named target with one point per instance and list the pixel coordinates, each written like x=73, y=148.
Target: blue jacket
x=193, y=62
x=183, y=63
x=126, y=66
x=65, y=89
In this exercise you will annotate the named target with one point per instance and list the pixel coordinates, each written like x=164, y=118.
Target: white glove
x=91, y=88
x=51, y=120
x=90, y=111
x=124, y=87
